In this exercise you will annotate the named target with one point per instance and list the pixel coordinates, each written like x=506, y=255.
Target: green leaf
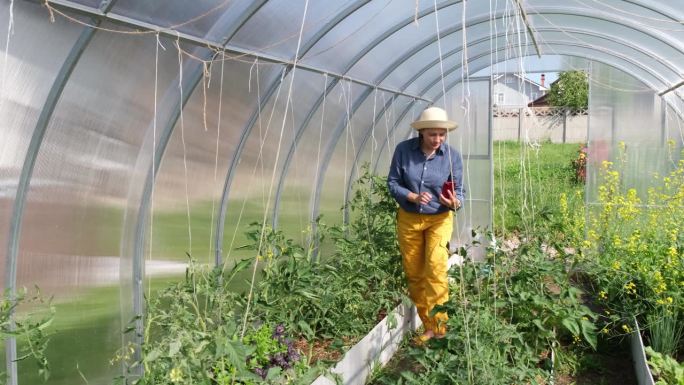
x=152, y=355
x=201, y=346
x=174, y=348
x=235, y=353
x=306, y=329
x=538, y=323
x=571, y=325
x=589, y=332
x=273, y=373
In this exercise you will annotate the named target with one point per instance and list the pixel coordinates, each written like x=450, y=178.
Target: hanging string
x=320, y=135
x=172, y=29
x=351, y=34
x=465, y=97
x=374, y=143
x=185, y=161
x=216, y=153
x=10, y=32
x=295, y=165
x=206, y=78
x=658, y=22
x=154, y=148
x=346, y=97
x=259, y=156
x=415, y=13
x=52, y=10
x=282, y=128
x=526, y=158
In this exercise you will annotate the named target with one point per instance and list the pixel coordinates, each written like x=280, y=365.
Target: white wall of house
x=511, y=90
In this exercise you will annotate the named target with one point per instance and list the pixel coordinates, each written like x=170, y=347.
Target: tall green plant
x=505, y=316
x=665, y=331
x=193, y=328
x=28, y=327
x=634, y=248
x=192, y=335
x=343, y=294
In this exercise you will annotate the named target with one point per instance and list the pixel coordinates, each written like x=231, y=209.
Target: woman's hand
x=449, y=200
x=422, y=198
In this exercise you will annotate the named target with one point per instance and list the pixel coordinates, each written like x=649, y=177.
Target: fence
x=540, y=124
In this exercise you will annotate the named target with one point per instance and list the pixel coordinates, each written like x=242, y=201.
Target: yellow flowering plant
x=634, y=245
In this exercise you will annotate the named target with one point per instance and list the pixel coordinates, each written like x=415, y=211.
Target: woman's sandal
x=422, y=339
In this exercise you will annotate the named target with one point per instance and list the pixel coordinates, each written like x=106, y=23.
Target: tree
x=570, y=91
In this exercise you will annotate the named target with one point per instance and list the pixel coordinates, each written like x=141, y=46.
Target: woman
x=420, y=167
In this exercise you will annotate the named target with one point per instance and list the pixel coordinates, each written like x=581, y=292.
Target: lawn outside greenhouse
x=197, y=192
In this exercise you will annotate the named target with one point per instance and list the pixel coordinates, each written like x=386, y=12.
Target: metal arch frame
x=328, y=150
x=131, y=22
x=195, y=77
x=367, y=135
x=538, y=11
x=71, y=6
x=488, y=18
x=487, y=38
x=246, y=131
x=476, y=69
x=23, y=184
x=138, y=265
x=646, y=70
x=360, y=55
x=247, y=14
x=397, y=27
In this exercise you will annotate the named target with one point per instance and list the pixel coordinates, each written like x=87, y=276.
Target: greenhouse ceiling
x=408, y=51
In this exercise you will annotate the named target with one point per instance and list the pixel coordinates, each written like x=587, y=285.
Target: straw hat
x=434, y=117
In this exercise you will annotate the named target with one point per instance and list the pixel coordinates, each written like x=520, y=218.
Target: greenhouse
x=196, y=192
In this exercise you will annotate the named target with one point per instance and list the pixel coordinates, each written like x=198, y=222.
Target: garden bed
x=378, y=346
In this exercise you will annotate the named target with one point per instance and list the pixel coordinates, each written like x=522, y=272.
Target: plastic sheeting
x=627, y=120
x=126, y=180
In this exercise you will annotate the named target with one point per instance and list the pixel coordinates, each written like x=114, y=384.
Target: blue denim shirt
x=411, y=171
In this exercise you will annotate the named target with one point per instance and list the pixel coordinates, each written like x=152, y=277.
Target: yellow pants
x=423, y=243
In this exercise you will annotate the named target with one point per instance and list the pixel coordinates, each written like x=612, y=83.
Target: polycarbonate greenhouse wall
x=132, y=132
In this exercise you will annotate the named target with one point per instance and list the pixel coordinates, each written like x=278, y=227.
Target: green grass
x=84, y=336
x=171, y=239
x=528, y=182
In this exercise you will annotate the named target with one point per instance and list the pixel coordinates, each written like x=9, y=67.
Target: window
x=500, y=98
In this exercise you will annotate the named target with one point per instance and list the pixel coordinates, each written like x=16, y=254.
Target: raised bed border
x=641, y=369
x=378, y=346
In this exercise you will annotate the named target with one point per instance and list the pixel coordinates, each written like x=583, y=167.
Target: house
x=512, y=90
x=542, y=101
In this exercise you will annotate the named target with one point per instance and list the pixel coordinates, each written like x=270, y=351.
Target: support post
x=520, y=113
x=565, y=122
